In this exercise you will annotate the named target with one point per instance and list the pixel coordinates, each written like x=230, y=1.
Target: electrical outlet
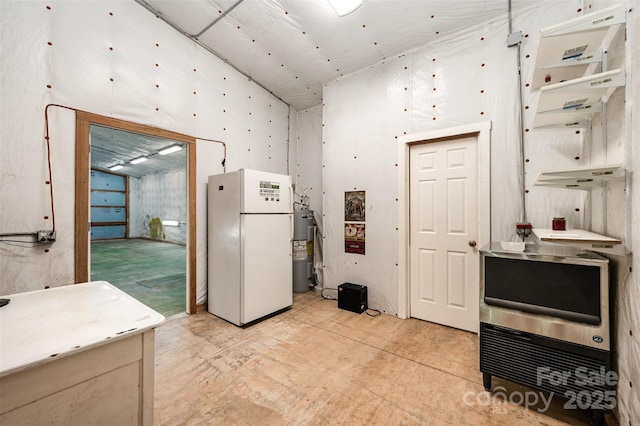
x=45, y=237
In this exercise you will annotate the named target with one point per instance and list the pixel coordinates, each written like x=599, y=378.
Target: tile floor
x=316, y=364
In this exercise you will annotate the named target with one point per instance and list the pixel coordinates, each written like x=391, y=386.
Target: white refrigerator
x=250, y=231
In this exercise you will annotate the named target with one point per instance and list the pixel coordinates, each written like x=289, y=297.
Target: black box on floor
x=352, y=297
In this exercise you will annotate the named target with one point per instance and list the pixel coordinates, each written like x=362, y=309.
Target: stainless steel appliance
x=555, y=291
x=303, y=241
x=544, y=313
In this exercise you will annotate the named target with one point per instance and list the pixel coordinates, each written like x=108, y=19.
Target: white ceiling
x=293, y=47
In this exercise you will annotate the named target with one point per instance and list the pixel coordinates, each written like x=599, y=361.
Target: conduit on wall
x=91, y=56
x=48, y=182
x=47, y=139
x=518, y=44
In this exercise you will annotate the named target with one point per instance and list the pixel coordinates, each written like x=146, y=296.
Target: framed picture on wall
x=354, y=206
x=354, y=238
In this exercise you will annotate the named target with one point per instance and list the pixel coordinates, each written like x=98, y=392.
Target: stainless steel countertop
x=544, y=252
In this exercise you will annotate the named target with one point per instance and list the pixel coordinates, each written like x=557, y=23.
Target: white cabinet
x=107, y=385
x=78, y=354
x=574, y=84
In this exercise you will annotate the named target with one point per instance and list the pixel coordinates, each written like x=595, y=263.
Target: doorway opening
x=139, y=216
x=135, y=220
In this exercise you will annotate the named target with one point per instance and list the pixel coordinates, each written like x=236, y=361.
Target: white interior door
x=443, y=229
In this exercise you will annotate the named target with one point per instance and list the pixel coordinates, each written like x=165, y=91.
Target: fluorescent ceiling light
x=344, y=7
x=138, y=160
x=116, y=167
x=169, y=150
x=170, y=223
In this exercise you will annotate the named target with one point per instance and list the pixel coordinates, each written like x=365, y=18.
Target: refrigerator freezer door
x=267, y=268
x=266, y=192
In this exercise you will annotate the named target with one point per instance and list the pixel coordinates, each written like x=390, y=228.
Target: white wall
x=467, y=77
x=94, y=42
x=308, y=173
x=116, y=59
x=627, y=288
x=363, y=115
x=163, y=196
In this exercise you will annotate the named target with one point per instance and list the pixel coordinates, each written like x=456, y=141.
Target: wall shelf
x=582, y=239
x=571, y=91
x=582, y=178
x=558, y=61
x=575, y=101
x=592, y=21
x=566, y=50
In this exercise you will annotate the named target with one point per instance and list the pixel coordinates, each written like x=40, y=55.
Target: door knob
x=472, y=243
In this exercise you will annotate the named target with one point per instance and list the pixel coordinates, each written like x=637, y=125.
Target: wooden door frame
x=480, y=130
x=84, y=120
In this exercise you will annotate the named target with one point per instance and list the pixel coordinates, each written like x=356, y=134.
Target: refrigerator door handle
x=291, y=197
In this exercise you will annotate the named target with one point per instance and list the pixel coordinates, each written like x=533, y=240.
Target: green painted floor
x=153, y=272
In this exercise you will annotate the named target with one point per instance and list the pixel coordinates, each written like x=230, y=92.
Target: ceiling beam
x=193, y=38
x=217, y=19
